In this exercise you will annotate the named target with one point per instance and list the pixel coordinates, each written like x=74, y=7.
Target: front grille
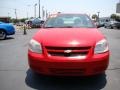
x=67, y=51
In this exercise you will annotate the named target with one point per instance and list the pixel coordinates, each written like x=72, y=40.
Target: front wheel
x=111, y=27
x=2, y=35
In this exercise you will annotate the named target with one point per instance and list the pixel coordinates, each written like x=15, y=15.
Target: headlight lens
x=35, y=46
x=101, y=46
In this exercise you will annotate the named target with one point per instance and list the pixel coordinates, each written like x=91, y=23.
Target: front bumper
x=68, y=67
x=117, y=25
x=10, y=30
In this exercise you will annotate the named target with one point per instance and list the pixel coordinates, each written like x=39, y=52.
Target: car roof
x=68, y=14
x=59, y=14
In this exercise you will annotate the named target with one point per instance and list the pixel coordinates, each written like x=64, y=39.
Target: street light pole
x=98, y=16
x=39, y=8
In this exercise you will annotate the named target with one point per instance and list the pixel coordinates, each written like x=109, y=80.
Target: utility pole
x=8, y=14
x=39, y=9
x=46, y=14
x=27, y=15
x=16, y=14
x=43, y=12
x=35, y=9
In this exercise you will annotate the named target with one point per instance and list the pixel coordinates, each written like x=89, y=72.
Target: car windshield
x=1, y=22
x=69, y=21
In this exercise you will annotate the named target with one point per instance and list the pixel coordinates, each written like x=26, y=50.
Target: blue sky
x=105, y=7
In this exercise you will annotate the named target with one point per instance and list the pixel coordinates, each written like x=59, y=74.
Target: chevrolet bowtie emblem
x=67, y=51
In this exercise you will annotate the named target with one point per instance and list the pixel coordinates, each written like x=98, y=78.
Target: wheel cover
x=2, y=35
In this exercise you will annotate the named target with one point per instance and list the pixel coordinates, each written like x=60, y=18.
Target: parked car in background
x=68, y=45
x=99, y=24
x=34, y=23
x=6, y=29
x=103, y=20
x=19, y=24
x=112, y=24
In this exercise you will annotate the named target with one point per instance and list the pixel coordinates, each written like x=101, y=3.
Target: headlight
x=101, y=47
x=35, y=46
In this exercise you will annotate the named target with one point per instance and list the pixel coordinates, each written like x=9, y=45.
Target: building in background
x=118, y=8
x=5, y=19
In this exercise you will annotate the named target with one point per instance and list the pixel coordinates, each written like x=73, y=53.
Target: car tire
x=2, y=35
x=118, y=27
x=111, y=27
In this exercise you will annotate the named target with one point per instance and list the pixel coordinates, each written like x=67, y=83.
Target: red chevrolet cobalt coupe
x=68, y=45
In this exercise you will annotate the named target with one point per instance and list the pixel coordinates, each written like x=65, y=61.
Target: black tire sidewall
x=4, y=35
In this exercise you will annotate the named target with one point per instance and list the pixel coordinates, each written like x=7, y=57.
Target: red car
x=68, y=45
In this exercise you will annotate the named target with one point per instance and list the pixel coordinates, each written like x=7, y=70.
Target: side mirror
x=42, y=25
x=98, y=26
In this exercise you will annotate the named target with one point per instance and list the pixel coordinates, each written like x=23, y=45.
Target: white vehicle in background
x=112, y=24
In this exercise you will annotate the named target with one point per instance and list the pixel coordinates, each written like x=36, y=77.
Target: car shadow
x=8, y=38
x=41, y=82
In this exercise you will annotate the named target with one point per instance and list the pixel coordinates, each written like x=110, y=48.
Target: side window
x=59, y=22
x=107, y=20
x=50, y=22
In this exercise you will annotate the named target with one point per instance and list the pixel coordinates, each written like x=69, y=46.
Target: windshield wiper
x=49, y=27
x=61, y=27
x=66, y=27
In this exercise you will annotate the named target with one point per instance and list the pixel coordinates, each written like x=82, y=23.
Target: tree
x=94, y=16
x=113, y=16
x=118, y=18
x=13, y=20
x=23, y=19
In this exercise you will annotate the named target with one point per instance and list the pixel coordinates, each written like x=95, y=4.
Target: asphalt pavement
x=16, y=75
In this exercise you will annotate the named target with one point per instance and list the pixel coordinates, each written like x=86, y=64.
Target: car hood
x=68, y=36
x=6, y=24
